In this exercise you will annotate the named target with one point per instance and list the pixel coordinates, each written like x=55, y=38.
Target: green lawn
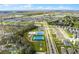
x=69, y=34
x=11, y=23
x=7, y=23
x=37, y=46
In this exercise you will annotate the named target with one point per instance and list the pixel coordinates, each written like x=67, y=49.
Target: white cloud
x=49, y=8
x=6, y=5
x=62, y=8
x=55, y=8
x=24, y=7
x=41, y=8
x=28, y=6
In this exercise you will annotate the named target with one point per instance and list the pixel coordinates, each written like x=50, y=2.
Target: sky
x=8, y=7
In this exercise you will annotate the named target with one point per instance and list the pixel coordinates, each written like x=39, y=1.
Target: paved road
x=51, y=47
x=51, y=43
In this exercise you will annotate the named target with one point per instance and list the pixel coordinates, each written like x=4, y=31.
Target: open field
x=38, y=46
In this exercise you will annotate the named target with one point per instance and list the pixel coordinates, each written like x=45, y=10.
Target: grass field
x=40, y=44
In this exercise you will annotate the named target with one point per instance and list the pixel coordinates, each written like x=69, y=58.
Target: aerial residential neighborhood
x=39, y=30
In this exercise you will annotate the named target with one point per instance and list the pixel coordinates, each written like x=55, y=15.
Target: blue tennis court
x=40, y=33
x=38, y=38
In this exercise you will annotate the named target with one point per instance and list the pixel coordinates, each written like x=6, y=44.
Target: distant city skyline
x=9, y=7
